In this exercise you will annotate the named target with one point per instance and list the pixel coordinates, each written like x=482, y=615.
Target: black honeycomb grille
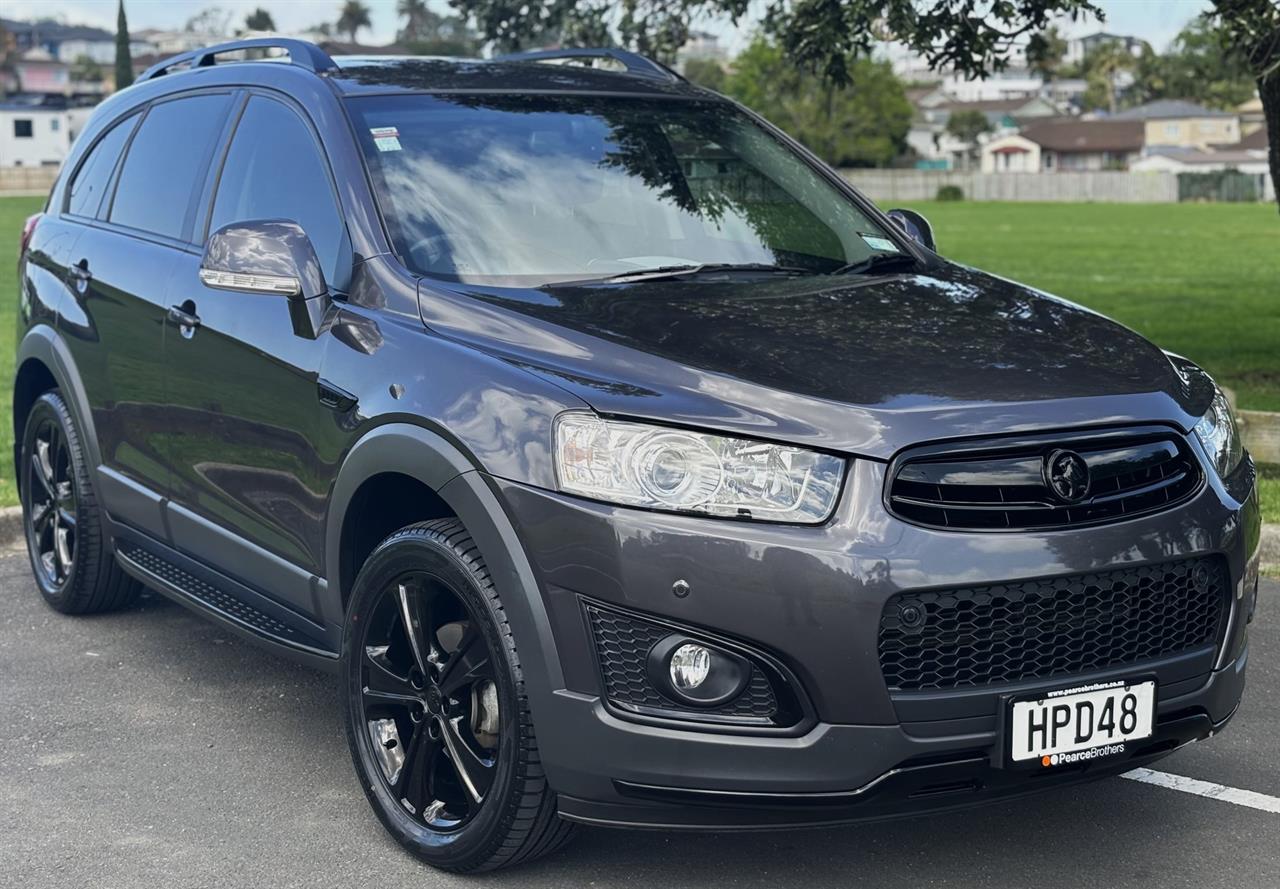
x=1040, y=629
x=622, y=646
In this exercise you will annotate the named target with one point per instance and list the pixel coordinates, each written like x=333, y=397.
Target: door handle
x=185, y=317
x=80, y=274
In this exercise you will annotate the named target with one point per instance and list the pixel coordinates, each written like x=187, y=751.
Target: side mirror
x=269, y=256
x=916, y=227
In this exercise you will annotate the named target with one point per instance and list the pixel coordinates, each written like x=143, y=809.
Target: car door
x=250, y=469
x=137, y=220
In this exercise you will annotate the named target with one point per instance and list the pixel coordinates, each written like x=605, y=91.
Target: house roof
x=49, y=30
x=1066, y=135
x=1166, y=109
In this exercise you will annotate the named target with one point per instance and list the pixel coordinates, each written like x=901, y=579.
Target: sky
x=1156, y=21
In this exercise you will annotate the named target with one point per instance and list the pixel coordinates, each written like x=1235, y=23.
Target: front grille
x=622, y=647
x=1040, y=629
x=1001, y=486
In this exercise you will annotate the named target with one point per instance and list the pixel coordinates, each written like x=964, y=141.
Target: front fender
x=435, y=462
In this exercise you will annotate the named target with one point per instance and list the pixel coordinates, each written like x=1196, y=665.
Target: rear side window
x=164, y=164
x=91, y=179
x=275, y=170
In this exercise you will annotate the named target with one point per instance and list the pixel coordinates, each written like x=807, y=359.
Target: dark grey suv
x=531, y=395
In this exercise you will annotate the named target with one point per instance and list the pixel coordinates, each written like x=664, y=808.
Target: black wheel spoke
x=415, y=627
x=475, y=774
x=41, y=515
x=45, y=478
x=414, y=783
x=382, y=679
x=467, y=664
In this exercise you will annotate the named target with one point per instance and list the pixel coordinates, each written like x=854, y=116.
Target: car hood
x=864, y=365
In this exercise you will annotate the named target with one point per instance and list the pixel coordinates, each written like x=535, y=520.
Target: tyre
x=69, y=547
x=436, y=713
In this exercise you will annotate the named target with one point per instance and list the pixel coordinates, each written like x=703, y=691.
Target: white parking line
x=1207, y=788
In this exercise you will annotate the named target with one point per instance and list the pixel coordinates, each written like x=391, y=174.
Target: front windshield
x=530, y=190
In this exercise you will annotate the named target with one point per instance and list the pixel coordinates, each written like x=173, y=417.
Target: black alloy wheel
x=430, y=700
x=437, y=714
x=67, y=536
x=51, y=504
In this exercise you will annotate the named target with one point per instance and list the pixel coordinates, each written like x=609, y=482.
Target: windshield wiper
x=877, y=262
x=695, y=268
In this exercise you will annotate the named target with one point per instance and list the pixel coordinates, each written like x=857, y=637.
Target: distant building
x=702, y=46
x=1252, y=117
x=1066, y=144
x=932, y=144
x=1177, y=122
x=37, y=136
x=1011, y=83
x=1079, y=48
x=1194, y=160
x=66, y=43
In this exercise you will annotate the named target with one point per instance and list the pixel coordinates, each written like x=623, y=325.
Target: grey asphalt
x=150, y=749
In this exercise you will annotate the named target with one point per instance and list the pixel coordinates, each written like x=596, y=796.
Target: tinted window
x=92, y=177
x=534, y=189
x=21, y=128
x=274, y=170
x=164, y=163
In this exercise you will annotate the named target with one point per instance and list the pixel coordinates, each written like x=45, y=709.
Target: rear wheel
x=437, y=719
x=69, y=548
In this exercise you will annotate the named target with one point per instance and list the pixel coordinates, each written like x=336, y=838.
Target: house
x=929, y=138
x=66, y=43
x=38, y=136
x=1066, y=144
x=1079, y=48
x=1194, y=160
x=1181, y=123
x=36, y=71
x=1011, y=83
x=1252, y=117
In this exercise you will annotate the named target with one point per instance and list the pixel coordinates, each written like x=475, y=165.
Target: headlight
x=659, y=468
x=1218, y=433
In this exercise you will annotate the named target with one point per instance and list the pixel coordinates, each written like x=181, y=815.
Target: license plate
x=1081, y=724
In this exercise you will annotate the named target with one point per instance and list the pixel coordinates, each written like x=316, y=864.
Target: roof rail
x=300, y=52
x=636, y=64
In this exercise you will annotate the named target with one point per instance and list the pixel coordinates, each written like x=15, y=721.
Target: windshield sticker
x=386, y=138
x=875, y=242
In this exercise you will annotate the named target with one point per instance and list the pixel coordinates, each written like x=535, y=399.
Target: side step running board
x=213, y=597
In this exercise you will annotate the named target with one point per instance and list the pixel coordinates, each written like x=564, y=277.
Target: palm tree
x=1106, y=64
x=416, y=15
x=355, y=15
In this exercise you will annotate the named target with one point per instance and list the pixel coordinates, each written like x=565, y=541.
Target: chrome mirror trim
x=277, y=284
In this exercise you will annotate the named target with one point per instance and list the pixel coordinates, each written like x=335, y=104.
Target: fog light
x=690, y=665
x=691, y=672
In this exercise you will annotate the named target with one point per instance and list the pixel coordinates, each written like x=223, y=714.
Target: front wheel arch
x=464, y=490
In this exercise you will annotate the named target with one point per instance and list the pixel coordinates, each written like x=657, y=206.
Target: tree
x=1045, y=52
x=354, y=16
x=418, y=19
x=212, y=20
x=862, y=125
x=85, y=70
x=966, y=127
x=428, y=33
x=124, y=59
x=707, y=72
x=1200, y=65
x=1253, y=27
x=1104, y=70
x=259, y=20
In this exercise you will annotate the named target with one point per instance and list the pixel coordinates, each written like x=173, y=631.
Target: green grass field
x=1199, y=279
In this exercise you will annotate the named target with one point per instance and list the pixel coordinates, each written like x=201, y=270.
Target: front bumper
x=812, y=597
